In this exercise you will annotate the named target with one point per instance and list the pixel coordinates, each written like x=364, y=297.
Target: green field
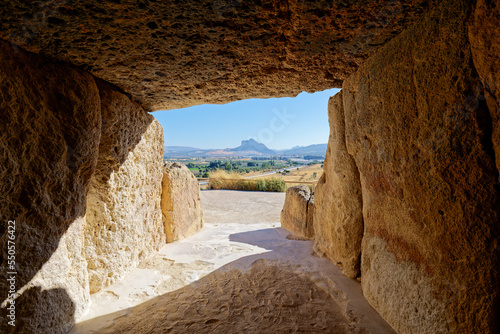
x=202, y=167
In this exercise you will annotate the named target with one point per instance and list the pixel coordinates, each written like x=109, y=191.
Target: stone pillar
x=124, y=222
x=49, y=135
x=297, y=215
x=421, y=137
x=339, y=220
x=180, y=202
x=81, y=177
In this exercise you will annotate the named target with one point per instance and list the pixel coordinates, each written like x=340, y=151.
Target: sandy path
x=240, y=274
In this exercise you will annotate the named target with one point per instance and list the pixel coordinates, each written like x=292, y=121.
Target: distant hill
x=183, y=151
x=180, y=149
x=251, y=145
x=248, y=147
x=316, y=149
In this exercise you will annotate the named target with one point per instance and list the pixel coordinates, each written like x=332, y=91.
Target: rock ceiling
x=171, y=54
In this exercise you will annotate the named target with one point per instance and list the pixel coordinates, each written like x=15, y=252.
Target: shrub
x=221, y=179
x=261, y=185
x=277, y=185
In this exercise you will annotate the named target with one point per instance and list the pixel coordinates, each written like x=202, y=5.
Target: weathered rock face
x=421, y=123
x=420, y=136
x=338, y=220
x=59, y=293
x=49, y=136
x=172, y=54
x=124, y=223
x=53, y=153
x=484, y=34
x=297, y=215
x=180, y=202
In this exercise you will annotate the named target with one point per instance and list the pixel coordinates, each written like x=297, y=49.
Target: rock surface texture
x=297, y=215
x=484, y=33
x=49, y=136
x=413, y=157
x=421, y=137
x=338, y=224
x=81, y=177
x=172, y=54
x=180, y=202
x=124, y=222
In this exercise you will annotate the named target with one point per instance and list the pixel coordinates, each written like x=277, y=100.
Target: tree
x=228, y=166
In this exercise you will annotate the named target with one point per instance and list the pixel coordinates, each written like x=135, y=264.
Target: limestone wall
x=298, y=211
x=49, y=134
x=424, y=140
x=339, y=219
x=124, y=222
x=180, y=202
x=484, y=34
x=80, y=167
x=413, y=157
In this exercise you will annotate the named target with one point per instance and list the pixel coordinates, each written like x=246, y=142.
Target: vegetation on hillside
x=202, y=168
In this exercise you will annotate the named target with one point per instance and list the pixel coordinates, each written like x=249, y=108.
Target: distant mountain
x=183, y=151
x=180, y=149
x=248, y=147
x=251, y=145
x=316, y=149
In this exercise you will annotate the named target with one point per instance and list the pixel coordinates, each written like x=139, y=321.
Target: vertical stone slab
x=415, y=126
x=297, y=215
x=180, y=202
x=124, y=222
x=49, y=134
x=339, y=218
x=484, y=35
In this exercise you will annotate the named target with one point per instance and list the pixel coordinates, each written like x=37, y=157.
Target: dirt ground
x=241, y=274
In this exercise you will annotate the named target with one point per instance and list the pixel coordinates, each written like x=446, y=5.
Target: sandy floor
x=240, y=274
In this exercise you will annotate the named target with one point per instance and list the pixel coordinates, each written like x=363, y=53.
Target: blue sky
x=279, y=123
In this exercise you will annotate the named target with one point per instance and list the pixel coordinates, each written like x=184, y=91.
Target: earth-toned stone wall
x=297, y=215
x=421, y=123
x=180, y=202
x=81, y=178
x=49, y=135
x=412, y=165
x=339, y=217
x=124, y=224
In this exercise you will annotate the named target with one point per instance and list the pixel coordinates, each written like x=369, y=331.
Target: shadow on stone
x=265, y=299
x=36, y=307
x=51, y=136
x=261, y=293
x=265, y=238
